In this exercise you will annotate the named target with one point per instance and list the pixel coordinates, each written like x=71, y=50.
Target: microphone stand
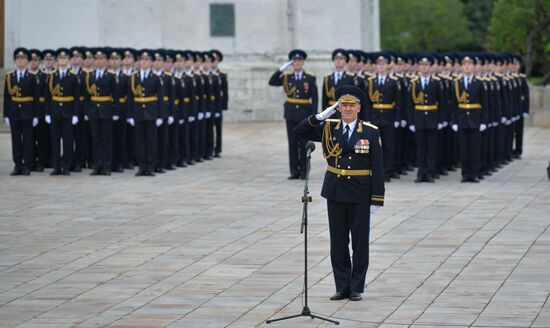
x=306, y=312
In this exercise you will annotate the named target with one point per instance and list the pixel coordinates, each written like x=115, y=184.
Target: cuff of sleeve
x=313, y=120
x=377, y=200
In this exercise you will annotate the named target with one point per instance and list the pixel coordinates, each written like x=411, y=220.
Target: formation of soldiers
x=435, y=111
x=114, y=108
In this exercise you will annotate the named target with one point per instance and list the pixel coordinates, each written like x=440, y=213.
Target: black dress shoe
x=95, y=172
x=106, y=172
x=294, y=177
x=129, y=166
x=217, y=155
x=77, y=168
x=66, y=172
x=140, y=173
x=473, y=180
x=208, y=158
x=464, y=179
x=15, y=172
x=190, y=162
x=119, y=169
x=171, y=167
x=159, y=170
x=150, y=174
x=387, y=179
x=429, y=179
x=39, y=168
x=198, y=160
x=56, y=172
x=418, y=180
x=355, y=297
x=339, y=296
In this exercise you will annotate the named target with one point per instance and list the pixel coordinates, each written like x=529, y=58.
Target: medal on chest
x=362, y=146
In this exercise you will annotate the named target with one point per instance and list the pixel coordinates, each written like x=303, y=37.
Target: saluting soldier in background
x=300, y=89
x=62, y=101
x=21, y=92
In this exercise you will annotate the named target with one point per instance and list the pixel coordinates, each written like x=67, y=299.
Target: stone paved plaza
x=218, y=245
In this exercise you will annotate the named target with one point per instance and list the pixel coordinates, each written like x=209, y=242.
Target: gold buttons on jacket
x=143, y=105
x=350, y=157
x=467, y=113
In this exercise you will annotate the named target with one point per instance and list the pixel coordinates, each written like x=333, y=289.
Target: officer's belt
x=469, y=106
x=146, y=99
x=186, y=99
x=122, y=100
x=81, y=98
x=298, y=101
x=63, y=99
x=102, y=98
x=425, y=107
x=349, y=172
x=331, y=102
x=42, y=99
x=383, y=106
x=22, y=99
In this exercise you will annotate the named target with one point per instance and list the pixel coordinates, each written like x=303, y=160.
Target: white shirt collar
x=300, y=73
x=21, y=72
x=351, y=125
x=100, y=71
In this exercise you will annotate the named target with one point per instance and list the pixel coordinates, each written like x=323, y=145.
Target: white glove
x=328, y=112
x=445, y=124
x=482, y=127
x=158, y=122
x=34, y=122
x=517, y=117
x=495, y=123
x=439, y=126
x=208, y=115
x=217, y=115
x=396, y=124
x=200, y=116
x=86, y=118
x=131, y=121
x=116, y=117
x=48, y=119
x=191, y=119
x=503, y=120
x=181, y=121
x=7, y=121
x=412, y=128
x=403, y=123
x=525, y=115
x=508, y=122
x=374, y=208
x=489, y=125
x=455, y=127
x=285, y=66
x=170, y=120
x=75, y=120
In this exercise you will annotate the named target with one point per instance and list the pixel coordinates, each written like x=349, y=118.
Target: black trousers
x=62, y=129
x=218, y=124
x=209, y=136
x=184, y=142
x=120, y=143
x=201, y=136
x=398, y=157
x=22, y=144
x=296, y=150
x=518, y=129
x=162, y=145
x=174, y=143
x=470, y=151
x=509, y=141
x=343, y=218
x=146, y=144
x=387, y=133
x=193, y=140
x=131, y=145
x=484, y=151
x=43, y=143
x=102, y=144
x=81, y=143
x=427, y=142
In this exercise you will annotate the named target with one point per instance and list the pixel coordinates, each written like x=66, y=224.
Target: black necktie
x=348, y=133
x=297, y=77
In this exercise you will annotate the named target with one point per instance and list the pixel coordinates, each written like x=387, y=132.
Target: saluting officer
x=384, y=100
x=62, y=101
x=425, y=117
x=469, y=118
x=353, y=185
x=217, y=58
x=300, y=88
x=145, y=100
x=101, y=91
x=21, y=92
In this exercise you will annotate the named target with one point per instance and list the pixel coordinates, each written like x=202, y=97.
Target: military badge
x=362, y=146
x=306, y=86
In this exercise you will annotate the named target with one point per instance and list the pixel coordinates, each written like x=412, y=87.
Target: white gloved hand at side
x=158, y=122
x=34, y=122
x=328, y=112
x=191, y=119
x=525, y=115
x=200, y=116
x=75, y=120
x=48, y=119
x=396, y=124
x=374, y=208
x=482, y=127
x=439, y=126
x=217, y=115
x=455, y=127
x=403, y=123
x=181, y=121
x=131, y=121
x=7, y=121
x=207, y=115
x=116, y=117
x=170, y=120
x=412, y=128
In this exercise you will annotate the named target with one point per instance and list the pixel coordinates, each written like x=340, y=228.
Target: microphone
x=310, y=147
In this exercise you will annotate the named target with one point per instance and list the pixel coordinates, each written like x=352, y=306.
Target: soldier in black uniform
x=213, y=104
x=469, y=118
x=80, y=134
x=41, y=138
x=21, y=92
x=425, y=117
x=146, y=103
x=335, y=79
x=165, y=110
x=201, y=97
x=185, y=94
x=62, y=101
x=175, y=113
x=523, y=104
x=353, y=185
x=101, y=91
x=300, y=89
x=119, y=110
x=384, y=100
x=194, y=102
x=217, y=58
x=127, y=145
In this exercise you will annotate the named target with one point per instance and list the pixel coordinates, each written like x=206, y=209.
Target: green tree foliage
x=479, y=14
x=523, y=26
x=435, y=25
